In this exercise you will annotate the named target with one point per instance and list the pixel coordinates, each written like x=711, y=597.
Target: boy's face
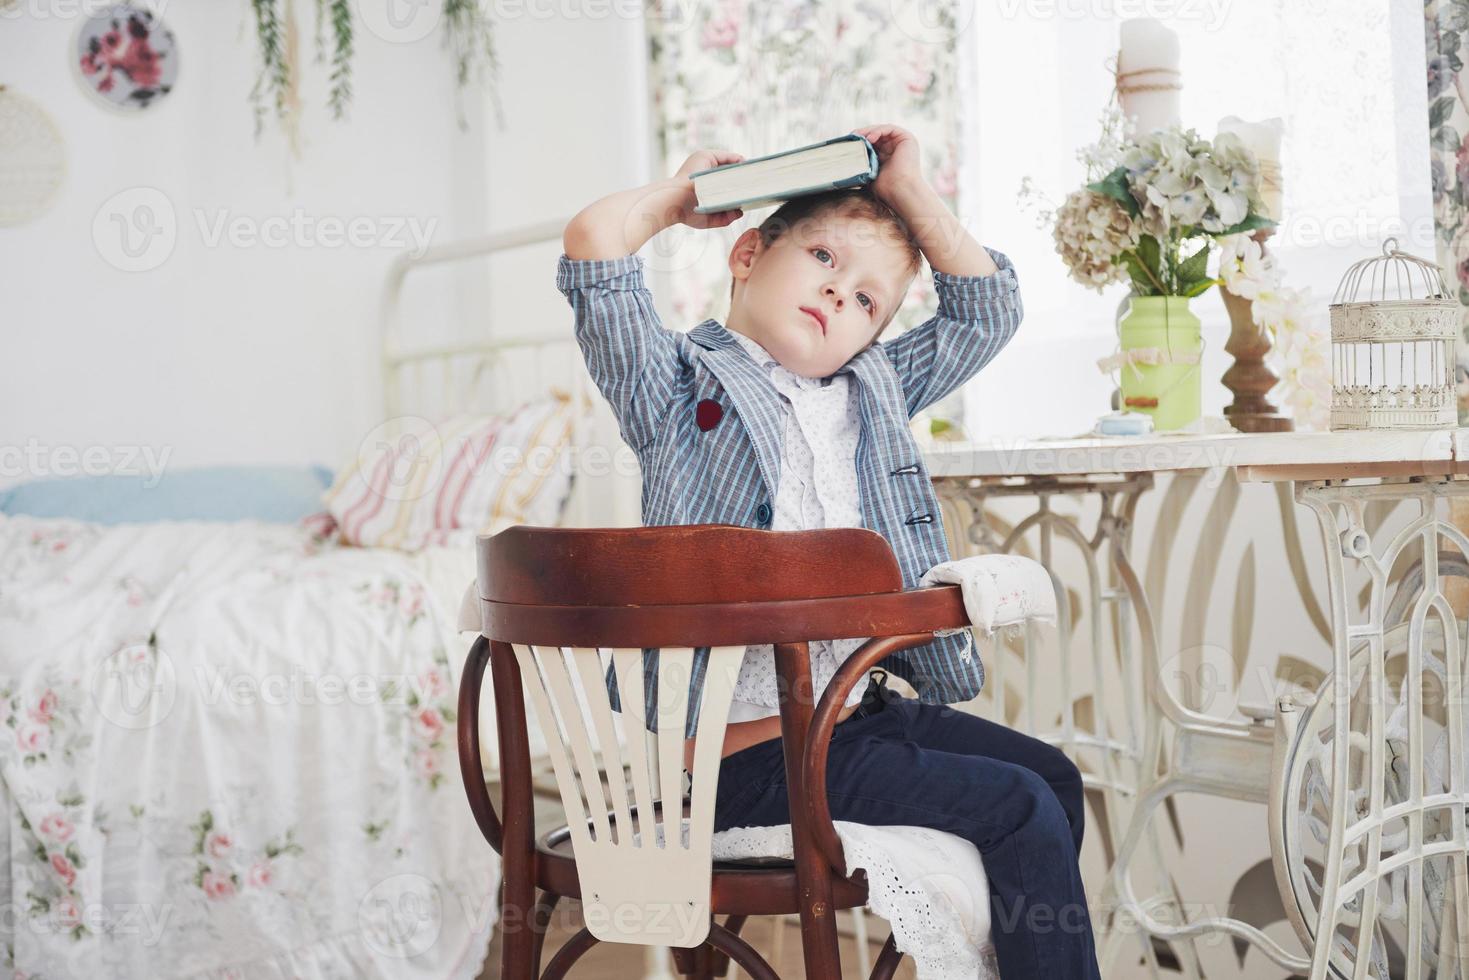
x=820, y=292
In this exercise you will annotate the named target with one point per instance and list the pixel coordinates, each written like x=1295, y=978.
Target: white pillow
x=416, y=483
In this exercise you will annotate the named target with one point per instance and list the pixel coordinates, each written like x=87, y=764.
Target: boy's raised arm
x=632, y=359
x=621, y=223
x=979, y=296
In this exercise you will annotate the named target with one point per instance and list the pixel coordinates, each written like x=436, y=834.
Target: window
x=1347, y=76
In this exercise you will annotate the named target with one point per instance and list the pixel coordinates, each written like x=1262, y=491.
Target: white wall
x=261, y=354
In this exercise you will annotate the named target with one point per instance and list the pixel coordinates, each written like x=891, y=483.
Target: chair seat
x=750, y=886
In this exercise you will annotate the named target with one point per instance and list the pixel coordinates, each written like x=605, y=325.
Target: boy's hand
x=899, y=167
x=900, y=184
x=703, y=160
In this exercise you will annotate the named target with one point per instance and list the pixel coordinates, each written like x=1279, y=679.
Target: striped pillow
x=415, y=483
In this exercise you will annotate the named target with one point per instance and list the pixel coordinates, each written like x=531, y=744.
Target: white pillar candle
x=1148, y=80
x=1262, y=138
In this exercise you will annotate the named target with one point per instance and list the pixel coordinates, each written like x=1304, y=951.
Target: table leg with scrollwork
x=1125, y=759
x=1370, y=796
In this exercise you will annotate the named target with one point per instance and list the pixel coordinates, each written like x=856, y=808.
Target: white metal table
x=1372, y=766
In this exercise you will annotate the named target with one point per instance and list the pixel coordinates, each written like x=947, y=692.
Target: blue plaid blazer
x=654, y=378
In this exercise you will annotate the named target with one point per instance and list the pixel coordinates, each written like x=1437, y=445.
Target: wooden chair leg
x=741, y=952
x=542, y=916
x=819, y=945
x=694, y=962
x=887, y=961
x=567, y=955
x=518, y=947
x=719, y=962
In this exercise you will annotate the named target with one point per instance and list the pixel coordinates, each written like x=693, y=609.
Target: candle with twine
x=1146, y=81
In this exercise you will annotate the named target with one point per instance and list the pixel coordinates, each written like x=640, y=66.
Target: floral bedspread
x=227, y=750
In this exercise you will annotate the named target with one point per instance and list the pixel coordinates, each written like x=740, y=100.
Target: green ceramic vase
x=1168, y=391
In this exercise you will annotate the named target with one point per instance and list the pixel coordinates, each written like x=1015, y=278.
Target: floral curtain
x=1446, y=26
x=756, y=78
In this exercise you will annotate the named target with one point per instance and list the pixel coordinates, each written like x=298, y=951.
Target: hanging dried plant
x=340, y=14
x=468, y=33
x=275, y=77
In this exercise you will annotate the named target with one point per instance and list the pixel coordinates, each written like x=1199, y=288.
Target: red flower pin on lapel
x=707, y=414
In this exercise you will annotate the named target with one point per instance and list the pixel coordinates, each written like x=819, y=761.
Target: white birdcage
x=1393, y=333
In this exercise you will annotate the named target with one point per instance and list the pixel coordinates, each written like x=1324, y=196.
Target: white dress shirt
x=818, y=488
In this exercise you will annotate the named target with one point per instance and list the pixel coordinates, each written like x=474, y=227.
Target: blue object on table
x=1124, y=424
x=278, y=494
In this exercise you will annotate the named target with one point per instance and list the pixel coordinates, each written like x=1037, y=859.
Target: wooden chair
x=551, y=599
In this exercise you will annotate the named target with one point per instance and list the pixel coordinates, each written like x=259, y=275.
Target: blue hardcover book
x=843, y=161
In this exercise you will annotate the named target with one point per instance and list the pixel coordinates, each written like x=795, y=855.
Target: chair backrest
x=558, y=597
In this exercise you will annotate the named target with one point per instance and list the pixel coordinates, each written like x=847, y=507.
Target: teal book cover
x=856, y=180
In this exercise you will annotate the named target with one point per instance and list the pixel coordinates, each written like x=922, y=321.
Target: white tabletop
x=1265, y=455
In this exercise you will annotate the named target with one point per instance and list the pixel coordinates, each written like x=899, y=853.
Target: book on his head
x=843, y=161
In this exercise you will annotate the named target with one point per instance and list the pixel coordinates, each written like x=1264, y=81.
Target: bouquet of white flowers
x=1152, y=207
x=1180, y=192
x=1149, y=214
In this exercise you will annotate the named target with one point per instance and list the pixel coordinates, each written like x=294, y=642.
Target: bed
x=228, y=744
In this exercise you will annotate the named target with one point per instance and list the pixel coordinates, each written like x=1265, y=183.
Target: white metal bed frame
x=461, y=370
x=464, y=371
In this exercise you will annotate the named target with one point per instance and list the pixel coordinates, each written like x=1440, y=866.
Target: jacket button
x=762, y=514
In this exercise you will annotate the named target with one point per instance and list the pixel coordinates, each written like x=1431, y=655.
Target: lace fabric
x=929, y=885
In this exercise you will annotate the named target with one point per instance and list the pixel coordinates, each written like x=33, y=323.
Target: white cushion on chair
x=999, y=590
x=929, y=885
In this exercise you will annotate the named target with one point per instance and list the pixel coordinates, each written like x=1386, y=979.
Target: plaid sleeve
x=632, y=359
x=977, y=316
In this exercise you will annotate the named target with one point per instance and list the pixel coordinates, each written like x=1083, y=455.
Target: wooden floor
x=619, y=961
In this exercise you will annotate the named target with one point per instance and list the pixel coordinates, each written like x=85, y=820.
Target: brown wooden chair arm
x=470, y=766
x=818, y=742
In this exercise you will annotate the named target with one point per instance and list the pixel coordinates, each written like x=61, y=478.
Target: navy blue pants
x=895, y=761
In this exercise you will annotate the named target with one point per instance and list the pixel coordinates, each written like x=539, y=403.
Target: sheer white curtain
x=1348, y=78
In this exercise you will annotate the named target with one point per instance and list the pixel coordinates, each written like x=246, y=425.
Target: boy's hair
x=849, y=203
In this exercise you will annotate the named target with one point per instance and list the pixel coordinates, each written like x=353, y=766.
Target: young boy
x=792, y=416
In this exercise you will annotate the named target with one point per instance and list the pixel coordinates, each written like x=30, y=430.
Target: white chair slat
x=573, y=722
x=719, y=681
x=675, y=666
x=589, y=669
x=535, y=688
x=628, y=663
